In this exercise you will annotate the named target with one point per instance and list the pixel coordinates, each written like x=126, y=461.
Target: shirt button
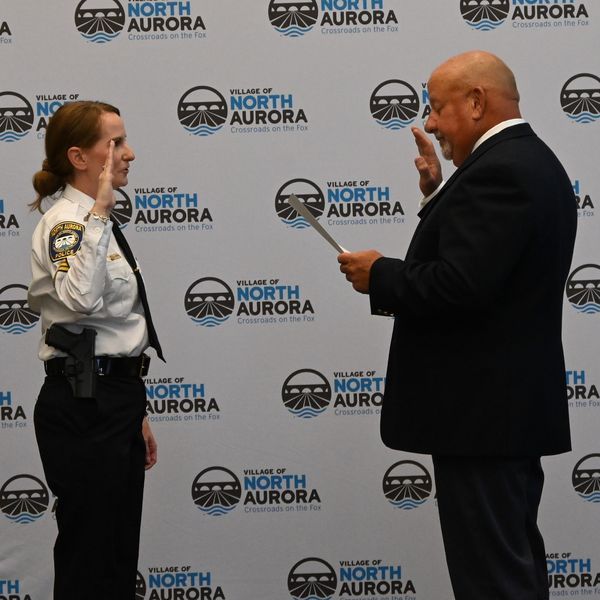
x=97, y=229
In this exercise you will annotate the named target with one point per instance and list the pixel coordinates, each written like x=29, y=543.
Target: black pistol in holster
x=79, y=364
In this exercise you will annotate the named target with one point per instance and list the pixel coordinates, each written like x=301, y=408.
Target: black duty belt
x=116, y=366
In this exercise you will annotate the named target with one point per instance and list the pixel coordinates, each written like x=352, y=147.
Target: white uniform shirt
x=81, y=279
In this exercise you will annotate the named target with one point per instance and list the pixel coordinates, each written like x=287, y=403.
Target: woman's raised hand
x=105, y=198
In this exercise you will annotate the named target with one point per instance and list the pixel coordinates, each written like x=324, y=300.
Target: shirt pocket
x=121, y=288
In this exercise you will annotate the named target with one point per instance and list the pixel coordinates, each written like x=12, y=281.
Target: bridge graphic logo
x=216, y=491
x=202, y=110
x=15, y=315
x=586, y=478
x=122, y=210
x=99, y=21
x=24, y=499
x=306, y=393
x=308, y=193
x=580, y=98
x=407, y=484
x=583, y=289
x=293, y=18
x=394, y=104
x=209, y=301
x=484, y=15
x=140, y=587
x=16, y=116
x=312, y=579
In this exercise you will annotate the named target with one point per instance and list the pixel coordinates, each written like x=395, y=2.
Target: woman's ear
x=77, y=158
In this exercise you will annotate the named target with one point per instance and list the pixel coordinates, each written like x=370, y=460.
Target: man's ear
x=477, y=100
x=77, y=157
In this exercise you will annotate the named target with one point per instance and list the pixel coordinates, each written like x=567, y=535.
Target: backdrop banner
x=272, y=482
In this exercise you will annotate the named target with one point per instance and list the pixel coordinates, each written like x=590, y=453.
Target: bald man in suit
x=476, y=373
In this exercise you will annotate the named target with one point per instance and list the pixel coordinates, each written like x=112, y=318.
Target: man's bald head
x=479, y=68
x=469, y=94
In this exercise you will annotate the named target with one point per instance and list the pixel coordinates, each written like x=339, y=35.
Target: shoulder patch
x=65, y=240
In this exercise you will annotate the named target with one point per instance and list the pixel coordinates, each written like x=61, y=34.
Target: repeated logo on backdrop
x=15, y=315
x=24, y=499
x=180, y=400
x=9, y=225
x=216, y=491
x=485, y=15
x=123, y=209
x=296, y=18
x=162, y=208
x=100, y=22
x=345, y=202
x=586, y=478
x=308, y=193
x=203, y=110
x=407, y=484
x=293, y=19
x=11, y=589
x=210, y=302
x=583, y=289
x=140, y=587
x=18, y=116
x=580, y=98
x=12, y=414
x=307, y=393
x=572, y=575
x=581, y=391
x=313, y=578
x=177, y=582
x=394, y=104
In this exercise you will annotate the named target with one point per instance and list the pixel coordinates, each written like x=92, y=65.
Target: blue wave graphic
x=101, y=37
x=307, y=413
x=590, y=308
x=293, y=31
x=24, y=518
x=485, y=25
x=18, y=328
x=217, y=510
x=408, y=503
x=595, y=497
x=394, y=124
x=297, y=223
x=11, y=136
x=584, y=117
x=211, y=321
x=203, y=130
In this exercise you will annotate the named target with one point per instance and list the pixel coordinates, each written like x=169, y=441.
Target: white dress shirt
x=81, y=279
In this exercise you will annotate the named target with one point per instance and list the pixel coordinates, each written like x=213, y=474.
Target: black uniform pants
x=93, y=455
x=488, y=512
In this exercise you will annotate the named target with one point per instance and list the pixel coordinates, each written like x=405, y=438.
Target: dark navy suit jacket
x=476, y=363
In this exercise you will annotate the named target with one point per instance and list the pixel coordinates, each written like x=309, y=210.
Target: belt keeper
x=144, y=365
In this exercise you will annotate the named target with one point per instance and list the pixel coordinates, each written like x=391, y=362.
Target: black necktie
x=152, y=337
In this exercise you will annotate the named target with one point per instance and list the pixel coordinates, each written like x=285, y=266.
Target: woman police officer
x=93, y=450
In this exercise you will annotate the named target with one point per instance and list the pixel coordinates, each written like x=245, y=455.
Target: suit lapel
x=506, y=134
